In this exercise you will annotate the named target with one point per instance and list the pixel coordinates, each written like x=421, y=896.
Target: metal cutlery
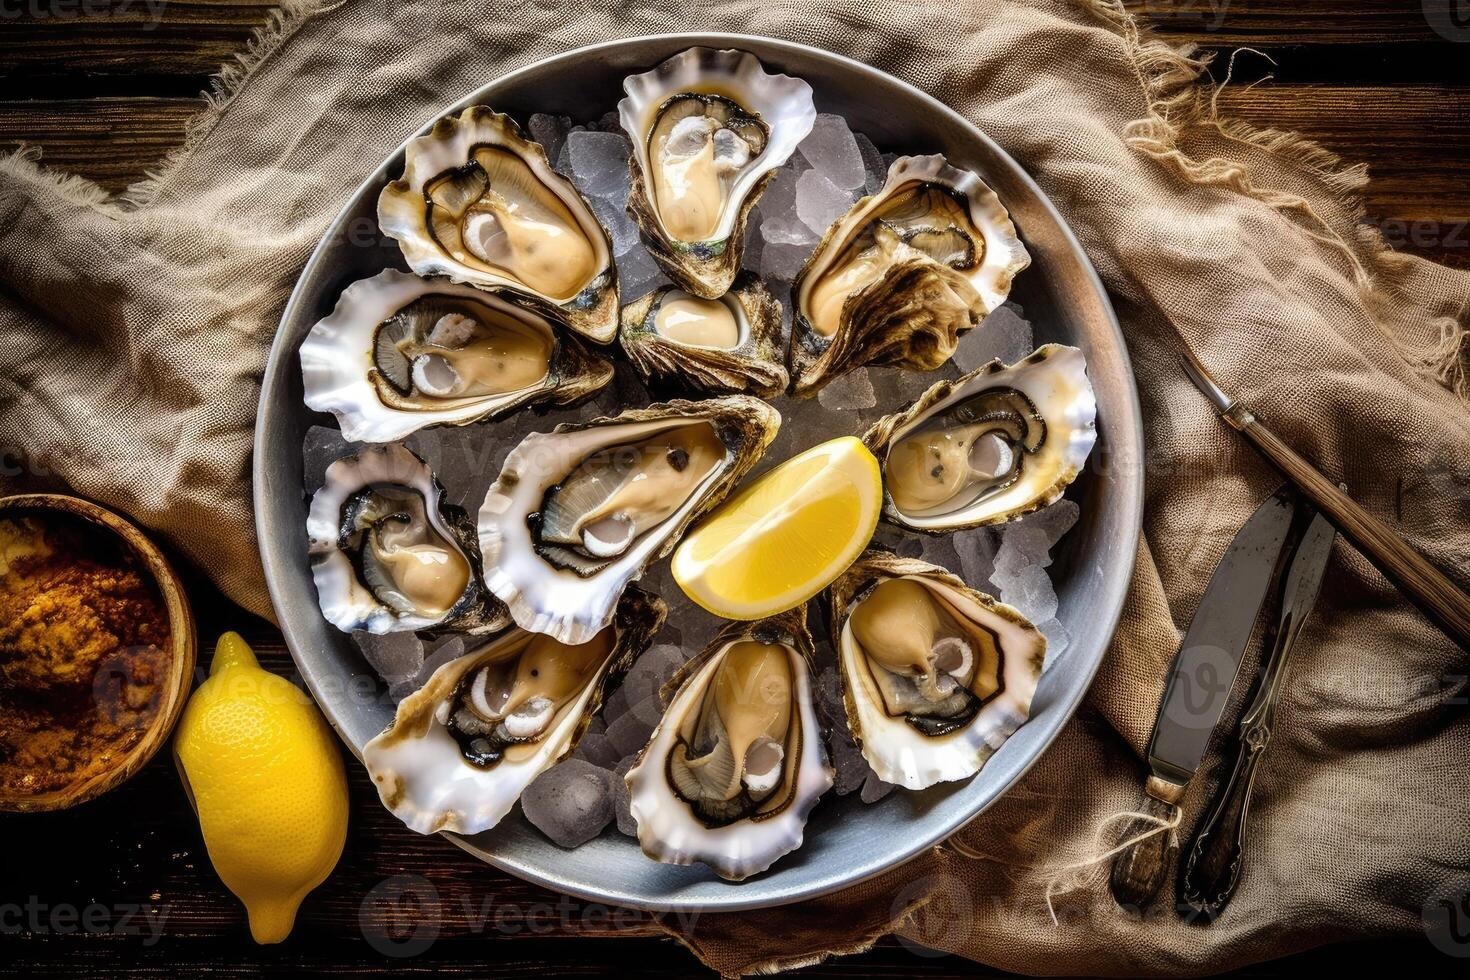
x=1200, y=682
x=1212, y=862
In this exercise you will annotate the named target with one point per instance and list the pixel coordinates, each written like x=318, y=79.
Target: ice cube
x=322, y=446
x=629, y=733
x=939, y=549
x=550, y=131
x=600, y=164
x=847, y=759
x=875, y=170
x=1055, y=520
x=1021, y=545
x=596, y=748
x=780, y=264
x=620, y=228
x=1029, y=590
x=570, y=802
x=638, y=273
x=832, y=151
x=853, y=390
x=621, y=811
x=874, y=789
x=819, y=202
x=1058, y=638
x=976, y=549
x=1005, y=334
x=396, y=657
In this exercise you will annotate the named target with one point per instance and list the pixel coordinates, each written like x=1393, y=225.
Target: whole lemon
x=265, y=776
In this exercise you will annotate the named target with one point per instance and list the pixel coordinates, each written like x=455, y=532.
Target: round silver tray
x=846, y=840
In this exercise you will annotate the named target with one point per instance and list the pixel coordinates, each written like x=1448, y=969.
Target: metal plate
x=846, y=841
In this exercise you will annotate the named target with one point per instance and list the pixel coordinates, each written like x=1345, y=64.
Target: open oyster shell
x=737, y=762
x=577, y=513
x=900, y=277
x=463, y=748
x=989, y=446
x=400, y=352
x=936, y=676
x=479, y=203
x=709, y=128
x=729, y=344
x=389, y=554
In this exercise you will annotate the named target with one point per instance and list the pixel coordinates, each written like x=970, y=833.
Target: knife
x=1212, y=862
x=1200, y=682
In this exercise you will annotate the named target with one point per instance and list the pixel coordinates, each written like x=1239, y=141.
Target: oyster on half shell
x=577, y=513
x=737, y=762
x=989, y=446
x=709, y=128
x=936, y=676
x=730, y=344
x=900, y=277
x=400, y=352
x=479, y=202
x=389, y=554
x=463, y=748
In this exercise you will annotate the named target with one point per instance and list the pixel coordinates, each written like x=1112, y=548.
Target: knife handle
x=1211, y=868
x=1139, y=869
x=1426, y=586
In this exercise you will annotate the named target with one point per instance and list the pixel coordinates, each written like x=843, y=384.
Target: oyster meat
x=736, y=764
x=577, y=513
x=900, y=277
x=478, y=202
x=936, y=675
x=730, y=344
x=400, y=352
x=389, y=554
x=990, y=445
x=463, y=748
x=709, y=128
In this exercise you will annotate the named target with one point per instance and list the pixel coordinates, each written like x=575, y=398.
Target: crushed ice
x=575, y=800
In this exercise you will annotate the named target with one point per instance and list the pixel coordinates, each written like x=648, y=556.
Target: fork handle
x=1211, y=865
x=1426, y=586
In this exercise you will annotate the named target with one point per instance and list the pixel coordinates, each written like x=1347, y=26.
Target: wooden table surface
x=122, y=886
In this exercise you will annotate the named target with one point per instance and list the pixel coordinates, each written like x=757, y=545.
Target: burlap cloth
x=135, y=329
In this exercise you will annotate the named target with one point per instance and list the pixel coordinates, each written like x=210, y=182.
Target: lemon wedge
x=785, y=537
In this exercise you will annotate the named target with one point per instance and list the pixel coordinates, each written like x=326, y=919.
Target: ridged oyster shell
x=341, y=372
x=355, y=507
x=747, y=834
x=754, y=364
x=700, y=247
x=556, y=588
x=900, y=277
x=445, y=228
x=1057, y=409
x=899, y=750
x=433, y=776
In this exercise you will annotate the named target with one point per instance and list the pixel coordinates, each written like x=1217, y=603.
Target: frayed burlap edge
x=23, y=163
x=1169, y=76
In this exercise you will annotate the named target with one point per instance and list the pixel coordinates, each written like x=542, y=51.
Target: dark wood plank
x=1415, y=139
x=43, y=42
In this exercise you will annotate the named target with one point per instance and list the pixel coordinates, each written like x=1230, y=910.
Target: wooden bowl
x=174, y=689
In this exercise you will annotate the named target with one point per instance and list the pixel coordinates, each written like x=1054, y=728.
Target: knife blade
x=1208, y=660
x=1212, y=865
x=1200, y=681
